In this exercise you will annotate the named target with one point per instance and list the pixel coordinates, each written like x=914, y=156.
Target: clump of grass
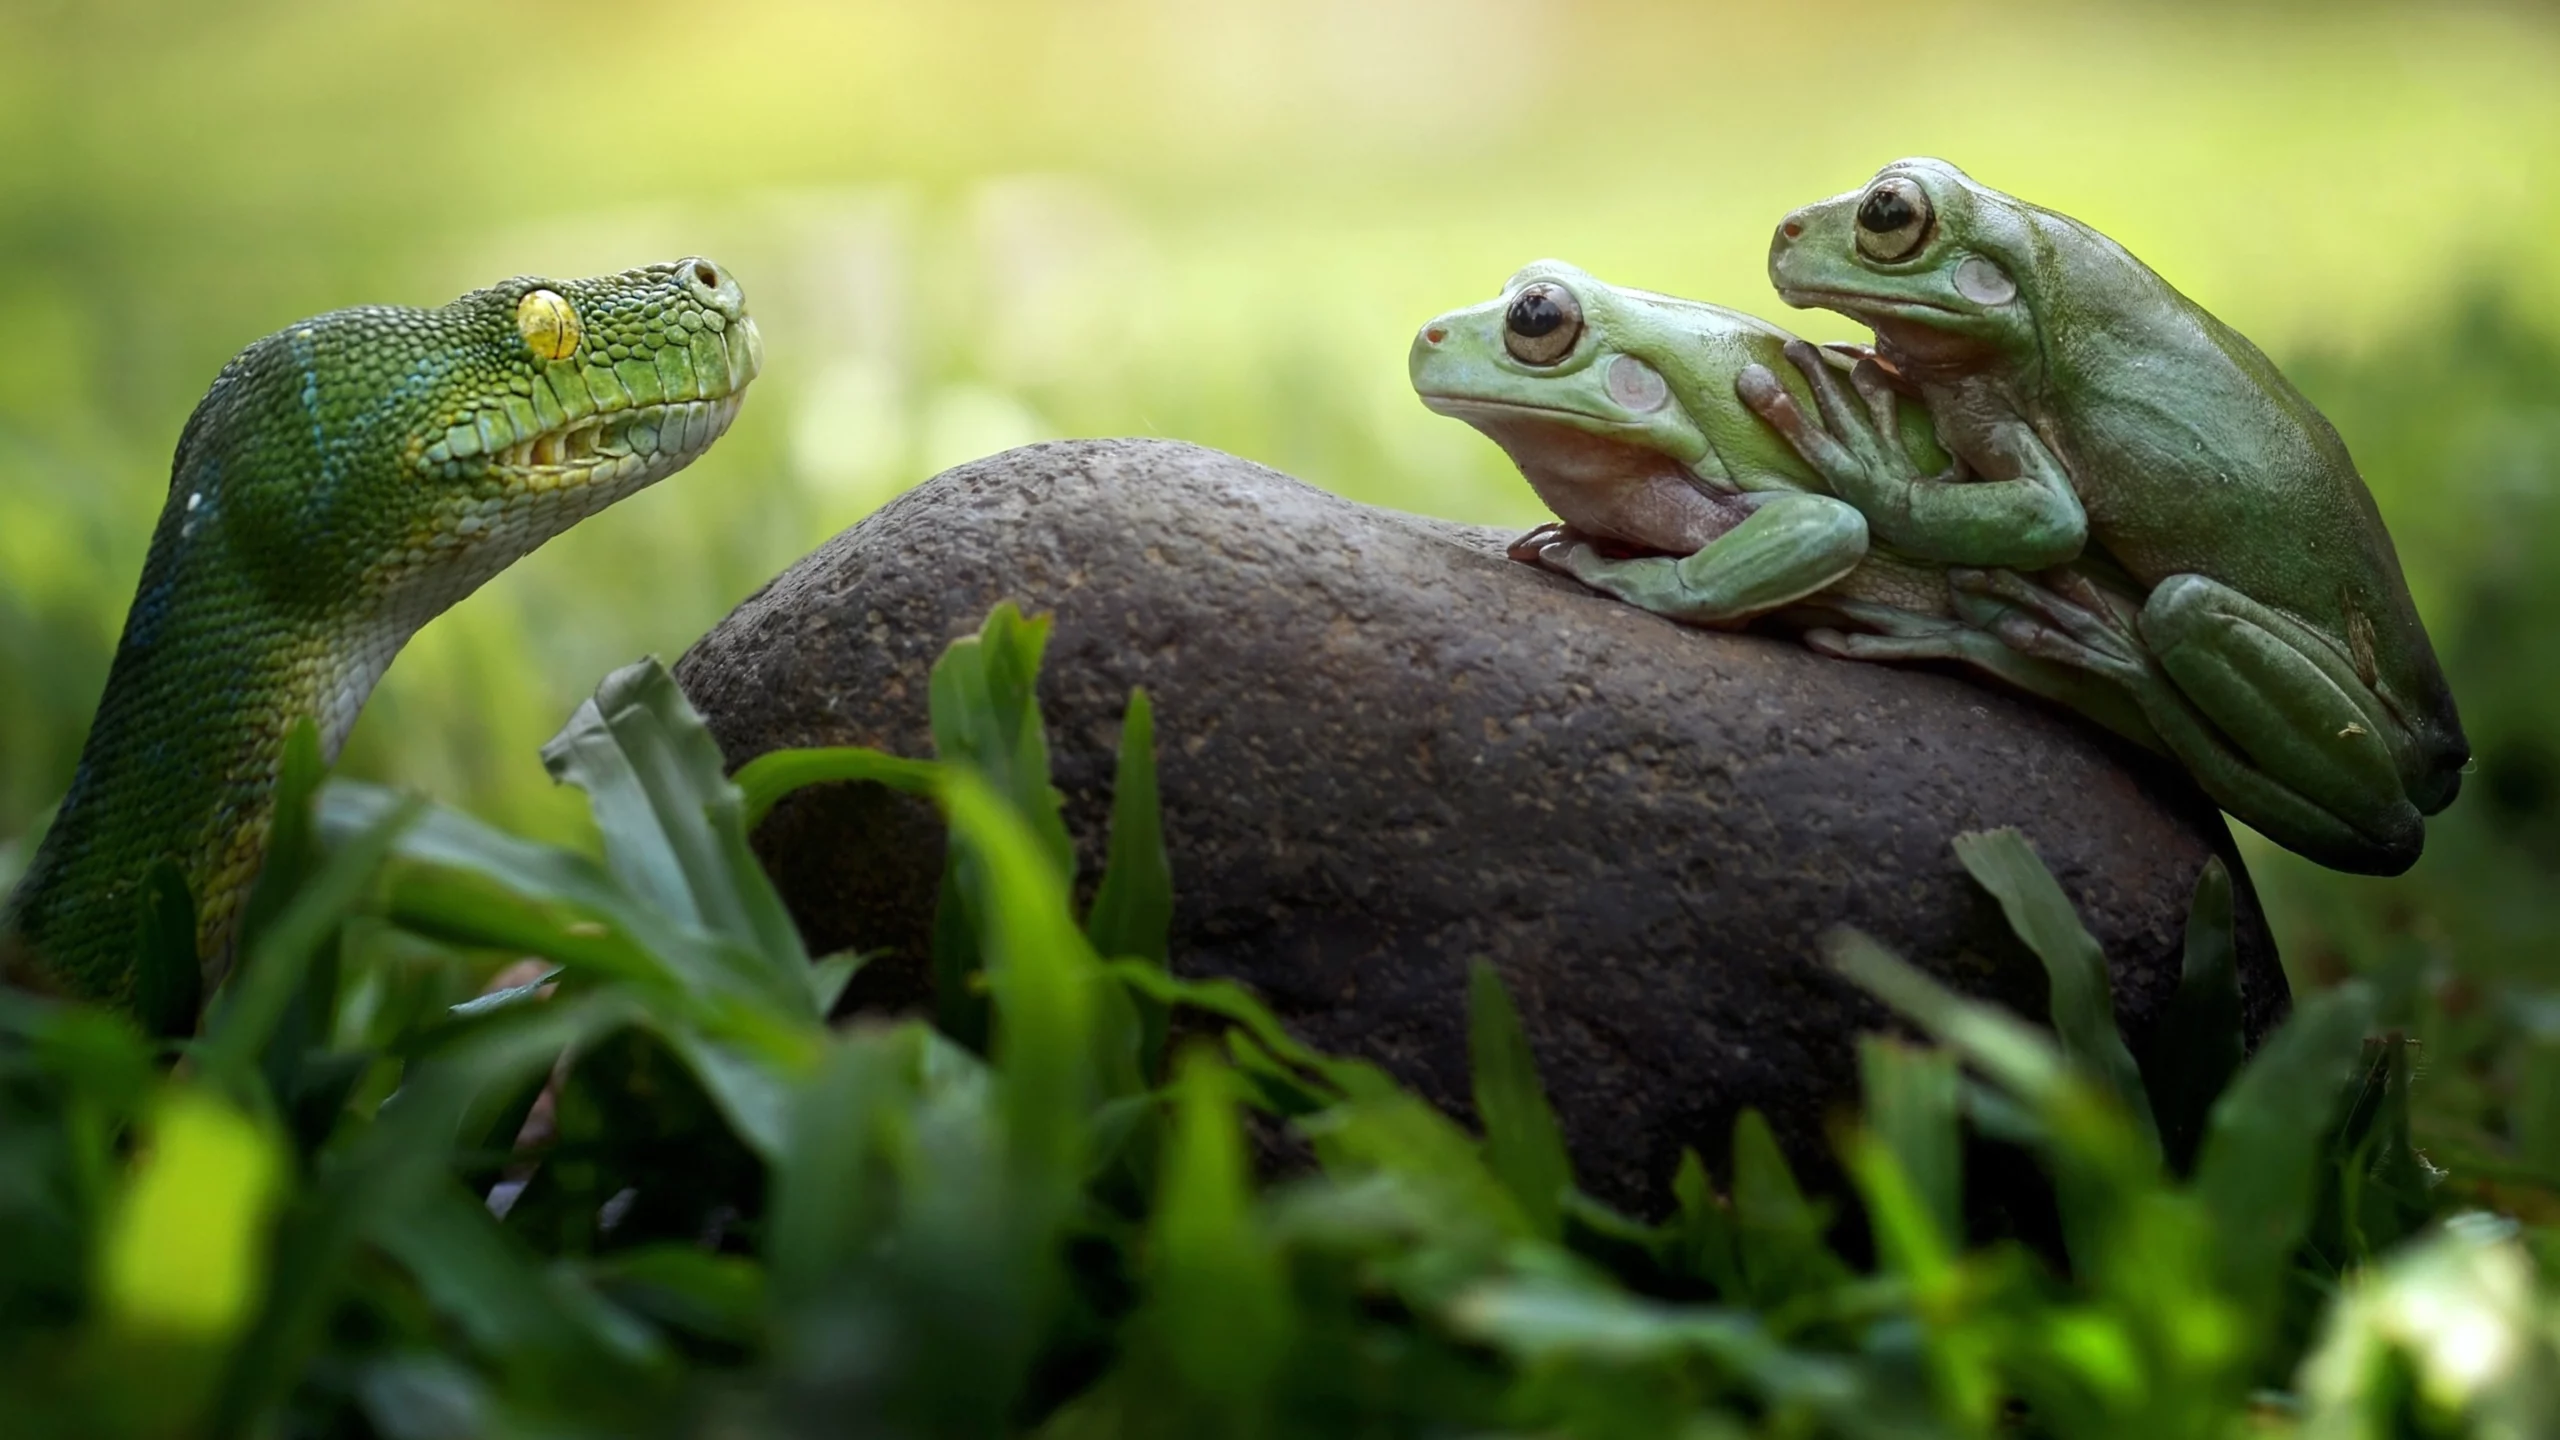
x=650, y=1189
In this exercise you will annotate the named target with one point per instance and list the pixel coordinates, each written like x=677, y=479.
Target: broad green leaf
x=365, y=1183
x=1545, y=1320
x=187, y=1247
x=470, y=910
x=674, y=827
x=2200, y=1043
x=1274, y=1085
x=829, y=976
x=2263, y=1139
x=2083, y=1014
x=521, y=1315
x=765, y=780
x=464, y=883
x=681, y=1287
x=832, y=1194
x=1522, y=1142
x=747, y=1029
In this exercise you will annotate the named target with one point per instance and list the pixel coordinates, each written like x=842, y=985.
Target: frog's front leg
x=2024, y=514
x=1792, y=544
x=2263, y=711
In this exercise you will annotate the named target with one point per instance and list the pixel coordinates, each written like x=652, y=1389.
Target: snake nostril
x=707, y=273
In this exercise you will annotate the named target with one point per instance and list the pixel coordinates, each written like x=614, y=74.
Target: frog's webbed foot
x=1905, y=636
x=1875, y=619
x=2065, y=619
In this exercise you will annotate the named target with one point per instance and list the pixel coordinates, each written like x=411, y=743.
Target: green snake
x=343, y=482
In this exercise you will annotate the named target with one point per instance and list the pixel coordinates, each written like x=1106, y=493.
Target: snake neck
x=182, y=759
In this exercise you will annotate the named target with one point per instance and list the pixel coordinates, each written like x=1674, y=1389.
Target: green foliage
x=486, y=1138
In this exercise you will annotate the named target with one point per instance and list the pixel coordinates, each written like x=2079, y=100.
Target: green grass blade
x=1913, y=1104
x=2201, y=1043
x=293, y=859
x=2083, y=1014
x=1233, y=1003
x=1522, y=1142
x=2014, y=1055
x=1042, y=976
x=1132, y=915
x=292, y=846
x=168, y=979
x=1700, y=1240
x=1778, y=1232
x=1218, y=1305
x=2099, y=1161
x=2260, y=1160
x=1133, y=908
x=246, y=1019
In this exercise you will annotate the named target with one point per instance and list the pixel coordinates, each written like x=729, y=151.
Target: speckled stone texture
x=1386, y=750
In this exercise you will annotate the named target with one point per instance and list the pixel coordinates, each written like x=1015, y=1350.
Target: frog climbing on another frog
x=2277, y=652
x=1619, y=406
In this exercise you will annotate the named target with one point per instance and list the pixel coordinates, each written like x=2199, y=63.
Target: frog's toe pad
x=1530, y=549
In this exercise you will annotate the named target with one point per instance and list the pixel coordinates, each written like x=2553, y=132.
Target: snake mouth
x=624, y=447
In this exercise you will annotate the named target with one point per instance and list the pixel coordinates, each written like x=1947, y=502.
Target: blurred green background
x=969, y=224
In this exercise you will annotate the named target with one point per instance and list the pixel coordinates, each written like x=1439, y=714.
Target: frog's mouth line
x=1464, y=407
x=1856, y=301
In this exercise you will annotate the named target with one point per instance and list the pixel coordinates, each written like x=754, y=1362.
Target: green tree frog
x=1619, y=406
x=2091, y=407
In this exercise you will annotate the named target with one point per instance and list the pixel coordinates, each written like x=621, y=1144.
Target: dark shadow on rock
x=1387, y=750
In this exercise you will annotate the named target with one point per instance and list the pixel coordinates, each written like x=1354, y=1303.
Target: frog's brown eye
x=1542, y=324
x=1893, y=220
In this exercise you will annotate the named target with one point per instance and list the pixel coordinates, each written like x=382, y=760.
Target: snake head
x=376, y=464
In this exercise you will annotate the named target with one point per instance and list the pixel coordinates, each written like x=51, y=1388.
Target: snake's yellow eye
x=548, y=325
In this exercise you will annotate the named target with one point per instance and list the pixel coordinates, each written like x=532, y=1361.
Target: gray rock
x=1386, y=750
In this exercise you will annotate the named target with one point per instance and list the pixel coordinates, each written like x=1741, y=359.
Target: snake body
x=344, y=481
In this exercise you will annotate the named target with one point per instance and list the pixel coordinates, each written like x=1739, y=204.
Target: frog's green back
x=2194, y=455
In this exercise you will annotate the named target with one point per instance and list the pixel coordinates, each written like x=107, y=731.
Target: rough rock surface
x=1387, y=750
